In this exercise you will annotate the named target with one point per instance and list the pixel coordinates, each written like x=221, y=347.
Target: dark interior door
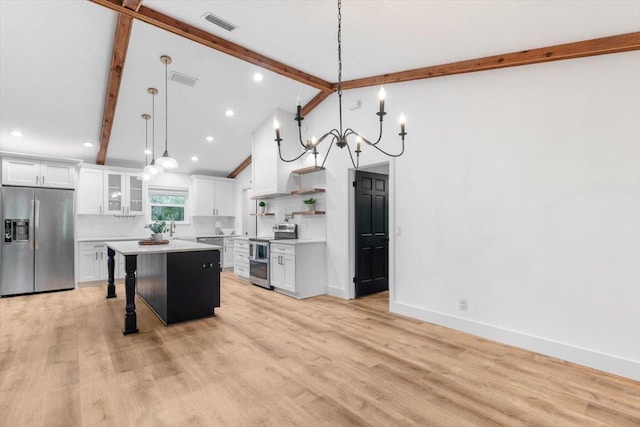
x=372, y=233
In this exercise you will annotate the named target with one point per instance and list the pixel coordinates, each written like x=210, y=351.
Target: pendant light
x=152, y=168
x=166, y=162
x=145, y=175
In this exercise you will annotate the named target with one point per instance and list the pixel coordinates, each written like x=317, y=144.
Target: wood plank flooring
x=269, y=360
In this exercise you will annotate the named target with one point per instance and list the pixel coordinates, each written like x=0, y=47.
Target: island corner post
x=130, y=317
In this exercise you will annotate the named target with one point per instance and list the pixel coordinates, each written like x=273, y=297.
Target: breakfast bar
x=179, y=281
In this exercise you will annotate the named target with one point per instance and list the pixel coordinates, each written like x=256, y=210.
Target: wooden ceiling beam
x=197, y=35
x=120, y=46
x=601, y=46
x=132, y=4
x=246, y=162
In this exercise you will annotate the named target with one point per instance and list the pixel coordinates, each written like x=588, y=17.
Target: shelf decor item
x=311, y=204
x=340, y=136
x=157, y=228
x=263, y=207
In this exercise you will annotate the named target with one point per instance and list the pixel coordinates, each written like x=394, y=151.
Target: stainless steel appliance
x=217, y=241
x=259, y=262
x=36, y=251
x=259, y=273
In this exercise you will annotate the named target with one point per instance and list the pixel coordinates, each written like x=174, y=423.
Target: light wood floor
x=269, y=360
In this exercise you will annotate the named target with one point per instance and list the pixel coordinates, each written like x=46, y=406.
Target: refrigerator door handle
x=37, y=224
x=31, y=224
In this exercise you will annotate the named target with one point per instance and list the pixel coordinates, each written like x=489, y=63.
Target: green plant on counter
x=262, y=204
x=157, y=227
x=310, y=201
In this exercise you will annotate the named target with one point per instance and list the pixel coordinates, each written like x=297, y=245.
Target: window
x=168, y=204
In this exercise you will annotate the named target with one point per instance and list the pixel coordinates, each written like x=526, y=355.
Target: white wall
x=519, y=191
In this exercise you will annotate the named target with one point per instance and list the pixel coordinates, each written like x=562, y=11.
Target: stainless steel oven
x=259, y=262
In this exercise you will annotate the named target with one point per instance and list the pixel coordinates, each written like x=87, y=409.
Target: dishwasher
x=217, y=241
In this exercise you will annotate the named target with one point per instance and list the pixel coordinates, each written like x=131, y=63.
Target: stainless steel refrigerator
x=36, y=251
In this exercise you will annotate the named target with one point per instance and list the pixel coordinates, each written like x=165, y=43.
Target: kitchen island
x=179, y=281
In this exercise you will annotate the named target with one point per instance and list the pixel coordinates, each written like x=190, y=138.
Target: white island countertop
x=133, y=248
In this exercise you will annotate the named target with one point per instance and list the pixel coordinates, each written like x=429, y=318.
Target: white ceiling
x=55, y=57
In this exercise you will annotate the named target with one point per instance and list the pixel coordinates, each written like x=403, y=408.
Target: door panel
x=54, y=258
x=16, y=258
x=372, y=231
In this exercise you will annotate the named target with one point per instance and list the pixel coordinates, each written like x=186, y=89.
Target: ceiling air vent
x=219, y=21
x=183, y=79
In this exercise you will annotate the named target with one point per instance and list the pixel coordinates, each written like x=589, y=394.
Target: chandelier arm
x=326, y=156
x=291, y=160
x=355, y=166
x=388, y=154
x=300, y=136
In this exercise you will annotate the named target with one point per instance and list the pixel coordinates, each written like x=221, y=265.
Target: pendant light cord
x=166, y=108
x=146, y=141
x=153, y=127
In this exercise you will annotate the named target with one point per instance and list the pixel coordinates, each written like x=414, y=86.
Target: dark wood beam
x=601, y=46
x=132, y=4
x=246, y=162
x=315, y=101
x=197, y=35
x=120, y=46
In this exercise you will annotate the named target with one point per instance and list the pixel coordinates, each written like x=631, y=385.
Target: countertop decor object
x=153, y=242
x=339, y=136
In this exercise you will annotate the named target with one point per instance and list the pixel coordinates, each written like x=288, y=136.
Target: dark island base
x=180, y=286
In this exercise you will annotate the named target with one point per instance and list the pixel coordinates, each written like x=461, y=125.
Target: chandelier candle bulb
x=276, y=126
x=382, y=95
x=402, y=120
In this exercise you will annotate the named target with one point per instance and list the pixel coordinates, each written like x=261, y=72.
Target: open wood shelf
x=263, y=214
x=306, y=170
x=309, y=213
x=308, y=191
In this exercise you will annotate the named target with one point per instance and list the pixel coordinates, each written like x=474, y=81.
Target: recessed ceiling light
x=229, y=113
x=147, y=151
x=16, y=132
x=87, y=144
x=258, y=77
x=194, y=159
x=210, y=138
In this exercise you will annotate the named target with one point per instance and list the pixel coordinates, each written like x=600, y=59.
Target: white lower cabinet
x=299, y=270
x=241, y=258
x=92, y=263
x=228, y=248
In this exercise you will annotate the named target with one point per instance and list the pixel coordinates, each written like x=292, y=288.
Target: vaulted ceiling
x=55, y=59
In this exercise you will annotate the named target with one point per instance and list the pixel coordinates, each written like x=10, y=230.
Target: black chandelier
x=338, y=136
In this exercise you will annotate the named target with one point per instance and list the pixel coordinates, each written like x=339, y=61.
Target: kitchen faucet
x=172, y=228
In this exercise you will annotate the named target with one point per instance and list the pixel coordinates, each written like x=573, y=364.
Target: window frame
x=168, y=191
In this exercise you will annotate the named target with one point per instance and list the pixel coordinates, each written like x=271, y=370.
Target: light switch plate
x=398, y=231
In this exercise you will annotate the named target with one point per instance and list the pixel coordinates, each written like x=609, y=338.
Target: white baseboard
x=337, y=292
x=582, y=356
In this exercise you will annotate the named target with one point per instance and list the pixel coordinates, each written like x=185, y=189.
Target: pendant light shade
x=152, y=169
x=166, y=161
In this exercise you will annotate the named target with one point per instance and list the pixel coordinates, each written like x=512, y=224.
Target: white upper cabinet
x=90, y=191
x=38, y=173
x=213, y=196
x=123, y=193
x=102, y=191
x=272, y=176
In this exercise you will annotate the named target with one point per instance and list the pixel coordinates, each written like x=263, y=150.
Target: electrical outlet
x=463, y=305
